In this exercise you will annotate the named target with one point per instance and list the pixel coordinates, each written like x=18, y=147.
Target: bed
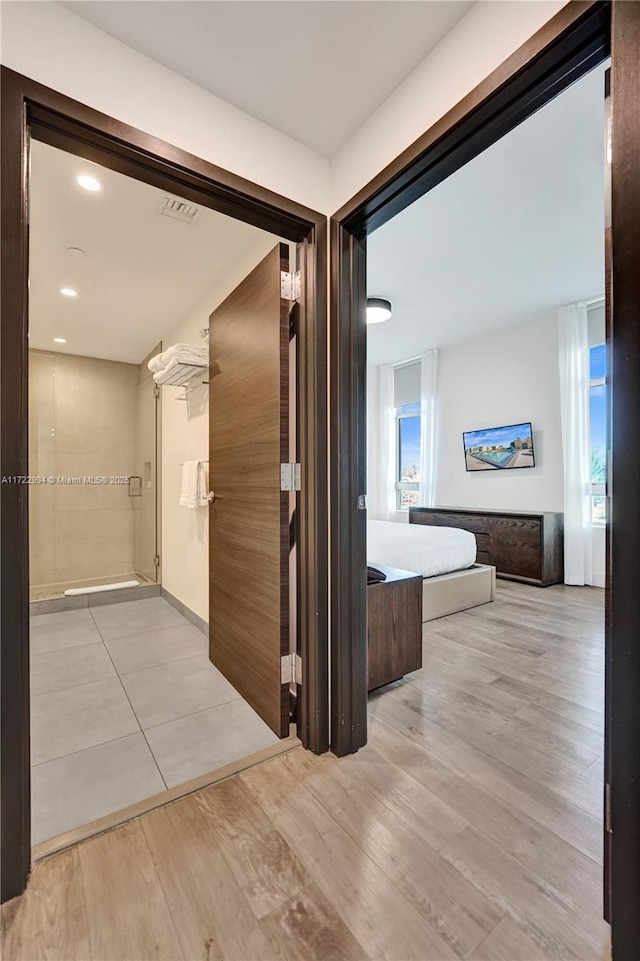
x=444, y=556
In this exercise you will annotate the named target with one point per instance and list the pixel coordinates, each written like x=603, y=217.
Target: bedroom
x=502, y=682
x=472, y=345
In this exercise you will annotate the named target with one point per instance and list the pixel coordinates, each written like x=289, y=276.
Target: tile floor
x=125, y=703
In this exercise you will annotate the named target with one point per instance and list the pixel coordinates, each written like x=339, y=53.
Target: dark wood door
x=249, y=517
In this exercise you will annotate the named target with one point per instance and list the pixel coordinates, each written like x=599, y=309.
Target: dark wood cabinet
x=522, y=546
x=394, y=609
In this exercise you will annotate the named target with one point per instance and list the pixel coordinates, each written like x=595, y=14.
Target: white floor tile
x=173, y=690
x=195, y=745
x=81, y=787
x=141, y=651
x=55, y=670
x=79, y=717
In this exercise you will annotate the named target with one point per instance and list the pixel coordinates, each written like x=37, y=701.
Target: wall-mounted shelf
x=189, y=387
x=178, y=374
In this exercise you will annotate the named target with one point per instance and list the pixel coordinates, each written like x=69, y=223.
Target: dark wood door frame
x=579, y=37
x=574, y=41
x=30, y=109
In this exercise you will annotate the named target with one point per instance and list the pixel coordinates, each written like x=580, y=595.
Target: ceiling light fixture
x=89, y=183
x=68, y=292
x=59, y=340
x=378, y=310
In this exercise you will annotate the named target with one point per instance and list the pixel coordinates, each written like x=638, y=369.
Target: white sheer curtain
x=573, y=341
x=381, y=455
x=428, y=427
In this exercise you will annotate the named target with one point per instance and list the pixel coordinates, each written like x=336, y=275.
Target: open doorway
x=33, y=112
x=487, y=499
x=125, y=281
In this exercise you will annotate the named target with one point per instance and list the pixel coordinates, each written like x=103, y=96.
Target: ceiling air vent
x=179, y=209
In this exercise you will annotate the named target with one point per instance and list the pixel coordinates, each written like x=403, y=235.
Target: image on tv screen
x=499, y=448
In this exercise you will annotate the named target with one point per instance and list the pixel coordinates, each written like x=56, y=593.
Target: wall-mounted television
x=499, y=448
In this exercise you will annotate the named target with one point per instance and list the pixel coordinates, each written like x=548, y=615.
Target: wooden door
x=249, y=517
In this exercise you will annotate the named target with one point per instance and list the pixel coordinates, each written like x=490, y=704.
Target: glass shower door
x=144, y=485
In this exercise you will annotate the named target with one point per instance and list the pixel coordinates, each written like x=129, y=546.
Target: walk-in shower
x=93, y=462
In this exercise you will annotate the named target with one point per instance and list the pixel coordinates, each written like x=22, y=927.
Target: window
x=598, y=413
x=408, y=456
x=406, y=401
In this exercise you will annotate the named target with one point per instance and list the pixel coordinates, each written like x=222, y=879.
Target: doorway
x=499, y=708
x=184, y=183
x=127, y=288
x=569, y=46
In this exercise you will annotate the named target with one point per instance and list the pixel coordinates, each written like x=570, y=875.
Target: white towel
x=181, y=353
x=155, y=364
x=202, y=485
x=194, y=484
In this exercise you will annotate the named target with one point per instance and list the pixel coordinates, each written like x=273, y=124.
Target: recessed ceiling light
x=59, y=340
x=68, y=292
x=75, y=251
x=378, y=310
x=89, y=183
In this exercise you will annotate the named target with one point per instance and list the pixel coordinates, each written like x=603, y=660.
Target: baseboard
x=190, y=615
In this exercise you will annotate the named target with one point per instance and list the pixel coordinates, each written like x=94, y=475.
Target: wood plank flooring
x=468, y=828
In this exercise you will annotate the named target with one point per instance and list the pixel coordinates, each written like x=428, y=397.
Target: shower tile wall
x=81, y=417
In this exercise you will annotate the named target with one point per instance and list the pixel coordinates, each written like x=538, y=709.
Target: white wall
x=489, y=33
x=185, y=436
x=508, y=377
x=53, y=46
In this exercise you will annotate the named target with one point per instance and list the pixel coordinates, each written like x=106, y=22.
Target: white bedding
x=416, y=547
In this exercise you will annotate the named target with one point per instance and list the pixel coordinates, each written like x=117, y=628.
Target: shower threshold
x=46, y=592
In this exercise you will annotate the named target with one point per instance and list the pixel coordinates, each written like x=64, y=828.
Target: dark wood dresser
x=394, y=609
x=522, y=546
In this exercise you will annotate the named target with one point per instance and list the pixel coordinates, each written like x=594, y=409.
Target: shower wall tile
x=83, y=525
x=92, y=497
x=41, y=570
x=41, y=505
x=81, y=425
x=85, y=464
x=91, y=378
x=98, y=411
x=92, y=573
x=88, y=438
x=83, y=551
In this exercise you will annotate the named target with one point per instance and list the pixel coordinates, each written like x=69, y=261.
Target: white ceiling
x=315, y=70
x=515, y=233
x=141, y=272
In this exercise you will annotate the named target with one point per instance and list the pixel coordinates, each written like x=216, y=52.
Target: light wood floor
x=469, y=827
